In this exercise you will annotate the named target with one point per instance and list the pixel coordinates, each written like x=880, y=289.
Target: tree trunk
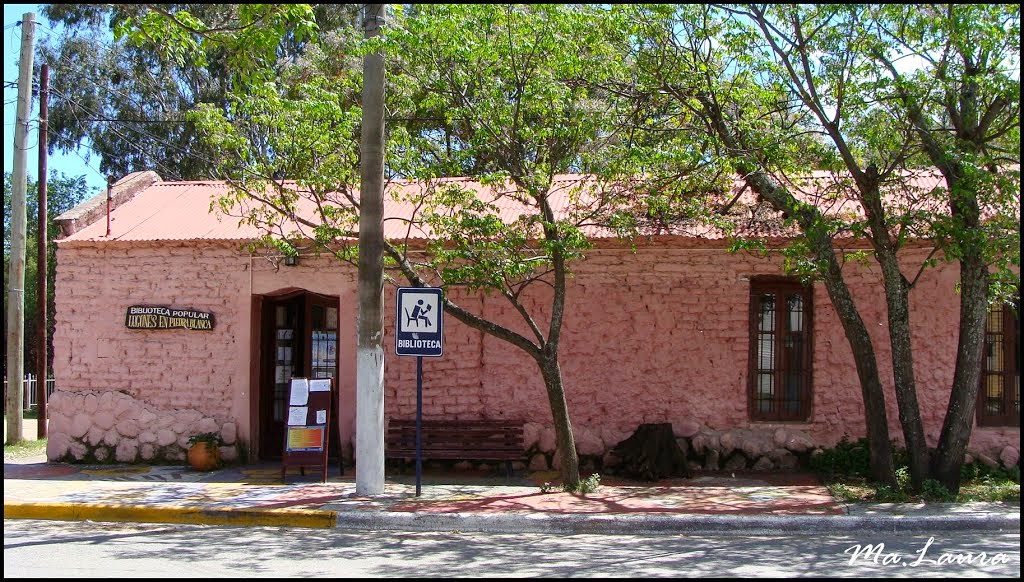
x=959, y=421
x=652, y=453
x=875, y=417
x=823, y=251
x=898, y=308
x=550, y=370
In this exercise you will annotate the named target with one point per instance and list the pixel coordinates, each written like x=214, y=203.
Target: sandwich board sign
x=420, y=329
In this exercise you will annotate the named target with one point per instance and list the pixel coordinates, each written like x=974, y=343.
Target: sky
x=70, y=164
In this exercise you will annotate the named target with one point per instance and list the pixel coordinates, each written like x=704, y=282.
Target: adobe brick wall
x=659, y=335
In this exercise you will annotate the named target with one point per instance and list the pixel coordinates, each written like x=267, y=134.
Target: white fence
x=29, y=395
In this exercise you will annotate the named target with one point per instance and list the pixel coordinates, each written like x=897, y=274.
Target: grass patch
x=24, y=449
x=844, y=469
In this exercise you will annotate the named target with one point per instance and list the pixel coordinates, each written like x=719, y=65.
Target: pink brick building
x=662, y=333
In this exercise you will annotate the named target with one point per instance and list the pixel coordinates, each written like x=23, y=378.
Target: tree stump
x=651, y=453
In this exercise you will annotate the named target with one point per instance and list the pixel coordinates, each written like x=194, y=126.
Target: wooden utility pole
x=370, y=346
x=41, y=270
x=16, y=279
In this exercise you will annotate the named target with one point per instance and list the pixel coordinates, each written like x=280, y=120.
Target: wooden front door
x=300, y=339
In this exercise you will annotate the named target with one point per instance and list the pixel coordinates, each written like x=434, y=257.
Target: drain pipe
x=110, y=185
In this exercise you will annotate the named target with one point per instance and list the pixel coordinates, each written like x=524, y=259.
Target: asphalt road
x=90, y=549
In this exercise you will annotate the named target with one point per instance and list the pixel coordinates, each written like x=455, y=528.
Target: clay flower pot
x=204, y=452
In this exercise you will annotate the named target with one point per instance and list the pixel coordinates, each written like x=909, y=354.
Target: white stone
x=55, y=403
x=587, y=443
x=80, y=425
x=100, y=453
x=165, y=437
x=727, y=442
x=111, y=437
x=228, y=454
x=147, y=418
x=705, y=441
x=531, y=434
x=56, y=445
x=104, y=419
x=183, y=441
x=539, y=463
x=987, y=460
x=547, y=440
x=105, y=401
x=127, y=451
x=799, y=442
x=147, y=451
x=711, y=462
x=189, y=416
x=89, y=403
x=789, y=462
x=128, y=428
x=780, y=436
x=763, y=464
x=1009, y=456
x=147, y=436
x=207, y=424
x=125, y=407
x=735, y=463
x=229, y=433
x=95, y=435
x=78, y=450
x=685, y=427
x=756, y=443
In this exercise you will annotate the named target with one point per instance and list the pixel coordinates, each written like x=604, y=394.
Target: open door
x=300, y=339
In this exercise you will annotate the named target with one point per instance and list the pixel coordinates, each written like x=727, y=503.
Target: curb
x=669, y=524
x=516, y=523
x=310, y=518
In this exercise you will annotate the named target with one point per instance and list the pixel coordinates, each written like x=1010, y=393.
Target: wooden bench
x=464, y=440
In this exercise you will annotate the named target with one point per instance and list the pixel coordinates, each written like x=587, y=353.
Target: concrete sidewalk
x=254, y=495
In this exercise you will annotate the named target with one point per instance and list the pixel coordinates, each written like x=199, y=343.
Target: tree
x=785, y=89
x=126, y=101
x=63, y=193
x=963, y=107
x=499, y=94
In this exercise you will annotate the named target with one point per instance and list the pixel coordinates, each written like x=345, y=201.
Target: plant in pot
x=204, y=451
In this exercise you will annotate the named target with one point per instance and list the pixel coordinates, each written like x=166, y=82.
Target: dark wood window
x=780, y=350
x=999, y=396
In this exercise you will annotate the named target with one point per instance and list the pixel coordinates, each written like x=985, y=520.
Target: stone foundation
x=113, y=426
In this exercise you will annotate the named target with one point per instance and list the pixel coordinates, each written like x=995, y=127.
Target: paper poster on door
x=297, y=415
x=300, y=392
x=321, y=417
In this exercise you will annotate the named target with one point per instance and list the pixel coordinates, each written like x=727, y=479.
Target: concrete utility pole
x=369, y=349
x=41, y=248
x=16, y=280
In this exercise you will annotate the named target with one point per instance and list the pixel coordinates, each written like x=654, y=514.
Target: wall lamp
x=291, y=260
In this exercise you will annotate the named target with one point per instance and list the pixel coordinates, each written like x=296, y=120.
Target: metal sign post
x=419, y=332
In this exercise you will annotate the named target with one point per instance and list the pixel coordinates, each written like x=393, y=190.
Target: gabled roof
x=146, y=208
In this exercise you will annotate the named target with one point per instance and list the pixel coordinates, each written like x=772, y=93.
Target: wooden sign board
x=307, y=424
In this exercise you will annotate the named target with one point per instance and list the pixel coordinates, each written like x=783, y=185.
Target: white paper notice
x=300, y=392
x=320, y=385
x=321, y=417
x=297, y=415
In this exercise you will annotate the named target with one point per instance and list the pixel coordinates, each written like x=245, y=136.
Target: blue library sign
x=419, y=330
